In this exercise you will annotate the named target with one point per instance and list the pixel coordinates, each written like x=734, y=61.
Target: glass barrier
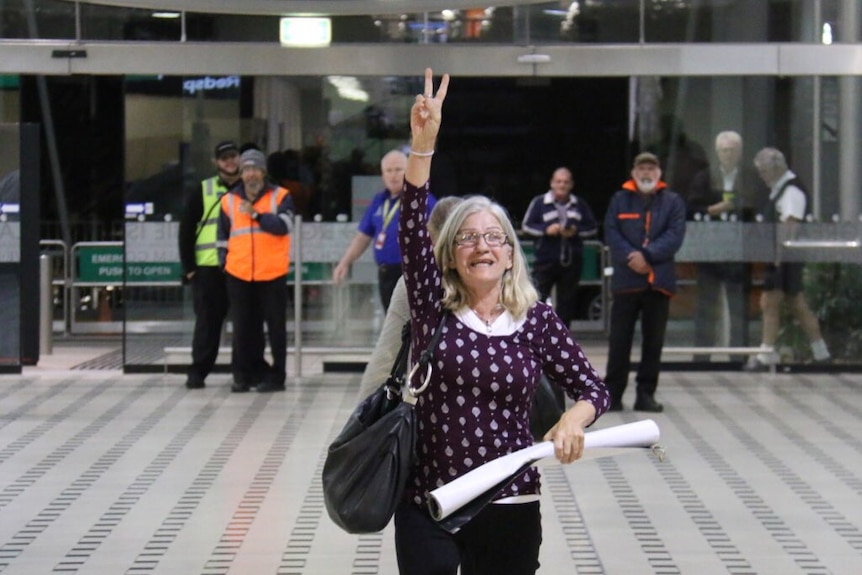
x=43, y=19
x=10, y=249
x=327, y=136
x=99, y=22
x=621, y=21
x=331, y=165
x=726, y=266
x=172, y=127
x=19, y=246
x=728, y=258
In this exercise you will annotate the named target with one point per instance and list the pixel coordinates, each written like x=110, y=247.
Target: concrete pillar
x=848, y=128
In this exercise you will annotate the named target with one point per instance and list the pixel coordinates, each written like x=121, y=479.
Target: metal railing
x=100, y=266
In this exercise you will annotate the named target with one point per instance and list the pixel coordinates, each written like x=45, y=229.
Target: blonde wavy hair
x=518, y=294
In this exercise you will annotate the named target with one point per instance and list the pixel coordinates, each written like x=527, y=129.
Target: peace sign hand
x=426, y=115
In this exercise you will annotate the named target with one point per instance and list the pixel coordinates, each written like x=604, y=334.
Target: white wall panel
x=397, y=59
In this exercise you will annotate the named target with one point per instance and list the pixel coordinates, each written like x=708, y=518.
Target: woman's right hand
x=426, y=115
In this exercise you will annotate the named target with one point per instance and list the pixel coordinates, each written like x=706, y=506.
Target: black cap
x=225, y=147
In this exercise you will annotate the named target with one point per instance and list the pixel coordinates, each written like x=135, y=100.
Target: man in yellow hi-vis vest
x=199, y=257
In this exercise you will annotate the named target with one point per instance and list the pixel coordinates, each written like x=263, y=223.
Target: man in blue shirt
x=379, y=226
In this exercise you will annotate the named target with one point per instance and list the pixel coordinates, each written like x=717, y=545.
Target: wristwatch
x=254, y=215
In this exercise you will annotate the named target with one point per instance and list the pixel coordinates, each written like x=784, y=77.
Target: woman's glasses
x=471, y=239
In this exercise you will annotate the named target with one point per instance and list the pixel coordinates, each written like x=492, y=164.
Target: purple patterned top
x=477, y=405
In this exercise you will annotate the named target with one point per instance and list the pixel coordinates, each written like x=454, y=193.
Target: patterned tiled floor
x=104, y=474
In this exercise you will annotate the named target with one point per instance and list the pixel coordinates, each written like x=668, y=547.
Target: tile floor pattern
x=106, y=474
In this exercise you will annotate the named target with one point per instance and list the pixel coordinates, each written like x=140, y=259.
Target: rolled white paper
x=445, y=500
x=643, y=433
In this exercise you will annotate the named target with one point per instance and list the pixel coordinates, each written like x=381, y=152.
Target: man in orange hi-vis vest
x=254, y=250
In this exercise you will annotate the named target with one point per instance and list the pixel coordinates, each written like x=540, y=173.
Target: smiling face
x=646, y=175
x=481, y=266
x=227, y=165
x=561, y=185
x=254, y=180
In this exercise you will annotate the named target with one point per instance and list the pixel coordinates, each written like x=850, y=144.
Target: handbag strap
x=395, y=381
x=424, y=362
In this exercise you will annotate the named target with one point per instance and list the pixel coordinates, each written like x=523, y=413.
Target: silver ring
x=429, y=96
x=415, y=391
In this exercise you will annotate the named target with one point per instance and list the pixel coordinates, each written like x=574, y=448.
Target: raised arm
x=426, y=115
x=421, y=274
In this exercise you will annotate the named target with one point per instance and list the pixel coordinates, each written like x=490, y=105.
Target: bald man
x=379, y=226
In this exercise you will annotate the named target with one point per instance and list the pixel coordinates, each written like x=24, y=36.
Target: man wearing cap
x=644, y=228
x=197, y=239
x=254, y=249
x=380, y=225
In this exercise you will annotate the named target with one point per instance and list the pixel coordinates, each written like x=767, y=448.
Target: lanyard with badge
x=388, y=214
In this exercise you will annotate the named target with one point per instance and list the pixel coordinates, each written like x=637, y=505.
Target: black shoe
x=239, y=387
x=615, y=405
x=195, y=383
x=268, y=386
x=648, y=403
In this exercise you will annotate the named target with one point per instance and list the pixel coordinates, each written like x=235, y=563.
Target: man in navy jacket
x=644, y=228
x=559, y=221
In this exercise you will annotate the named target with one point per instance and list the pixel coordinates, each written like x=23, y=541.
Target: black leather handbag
x=367, y=465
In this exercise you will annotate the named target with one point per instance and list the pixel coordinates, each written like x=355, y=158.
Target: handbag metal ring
x=412, y=390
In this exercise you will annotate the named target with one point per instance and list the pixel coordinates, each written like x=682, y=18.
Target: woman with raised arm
x=497, y=340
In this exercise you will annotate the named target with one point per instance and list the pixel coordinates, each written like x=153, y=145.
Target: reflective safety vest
x=206, y=253
x=252, y=253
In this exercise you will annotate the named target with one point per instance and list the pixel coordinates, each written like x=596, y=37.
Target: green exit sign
x=105, y=264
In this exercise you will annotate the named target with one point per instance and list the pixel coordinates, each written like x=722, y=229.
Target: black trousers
x=710, y=278
x=566, y=278
x=209, y=290
x=652, y=307
x=387, y=277
x=501, y=539
x=254, y=304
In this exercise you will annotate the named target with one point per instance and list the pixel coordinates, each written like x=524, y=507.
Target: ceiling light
x=826, y=35
x=349, y=88
x=305, y=32
x=534, y=59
